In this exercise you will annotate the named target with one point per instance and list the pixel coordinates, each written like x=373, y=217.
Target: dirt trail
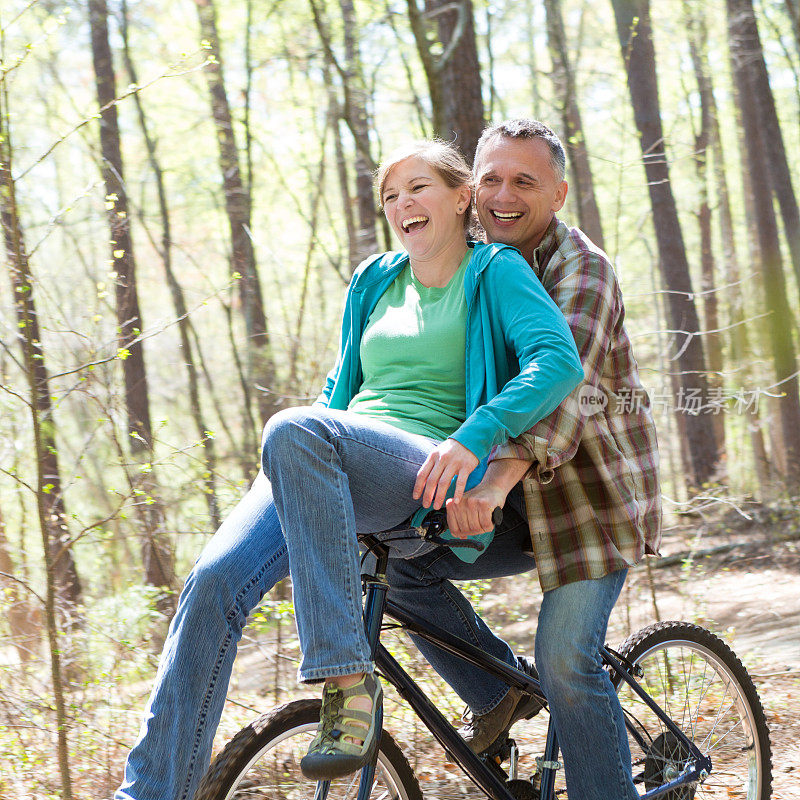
x=747, y=590
x=749, y=595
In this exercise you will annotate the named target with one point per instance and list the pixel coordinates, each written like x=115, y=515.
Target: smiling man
x=585, y=480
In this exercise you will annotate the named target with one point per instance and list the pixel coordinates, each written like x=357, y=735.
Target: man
x=590, y=481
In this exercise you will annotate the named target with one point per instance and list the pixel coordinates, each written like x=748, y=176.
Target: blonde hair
x=441, y=156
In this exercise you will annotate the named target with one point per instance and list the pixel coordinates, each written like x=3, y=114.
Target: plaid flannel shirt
x=592, y=493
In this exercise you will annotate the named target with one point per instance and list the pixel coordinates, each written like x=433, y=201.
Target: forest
x=185, y=191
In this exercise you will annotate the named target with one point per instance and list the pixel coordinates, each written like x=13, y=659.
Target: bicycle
x=695, y=723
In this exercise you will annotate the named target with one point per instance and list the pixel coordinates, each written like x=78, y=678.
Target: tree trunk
x=157, y=554
x=179, y=303
x=65, y=575
x=635, y=36
x=746, y=43
x=260, y=368
x=334, y=116
x=580, y=177
x=533, y=66
x=793, y=10
x=779, y=321
x=367, y=238
x=740, y=351
x=713, y=337
x=61, y=579
x=454, y=78
x=23, y=618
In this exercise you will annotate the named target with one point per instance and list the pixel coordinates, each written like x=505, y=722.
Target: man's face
x=517, y=192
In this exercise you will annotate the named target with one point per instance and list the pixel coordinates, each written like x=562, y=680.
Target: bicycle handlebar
x=435, y=523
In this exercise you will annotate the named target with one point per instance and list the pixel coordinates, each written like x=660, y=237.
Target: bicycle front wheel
x=263, y=761
x=701, y=684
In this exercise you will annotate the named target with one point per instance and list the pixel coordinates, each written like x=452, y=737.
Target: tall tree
x=746, y=41
x=635, y=36
x=362, y=231
x=175, y=289
x=580, y=178
x=238, y=204
x=65, y=576
x=157, y=553
x=61, y=579
x=780, y=321
x=454, y=76
x=702, y=144
x=367, y=238
x=739, y=348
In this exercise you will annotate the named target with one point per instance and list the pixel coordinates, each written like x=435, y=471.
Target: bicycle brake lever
x=432, y=537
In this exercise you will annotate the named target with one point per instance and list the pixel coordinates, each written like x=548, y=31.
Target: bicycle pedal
x=522, y=790
x=500, y=751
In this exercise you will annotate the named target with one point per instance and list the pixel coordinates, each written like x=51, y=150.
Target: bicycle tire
x=699, y=681
x=263, y=761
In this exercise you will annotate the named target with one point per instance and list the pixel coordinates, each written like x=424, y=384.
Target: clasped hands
x=468, y=513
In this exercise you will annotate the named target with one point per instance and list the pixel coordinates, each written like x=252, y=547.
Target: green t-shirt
x=413, y=356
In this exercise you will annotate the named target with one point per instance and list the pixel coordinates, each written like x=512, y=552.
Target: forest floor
x=737, y=575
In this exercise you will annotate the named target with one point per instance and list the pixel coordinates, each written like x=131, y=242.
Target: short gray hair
x=527, y=129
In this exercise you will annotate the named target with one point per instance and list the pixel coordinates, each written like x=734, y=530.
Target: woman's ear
x=464, y=199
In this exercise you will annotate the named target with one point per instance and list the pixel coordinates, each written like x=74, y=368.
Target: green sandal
x=329, y=756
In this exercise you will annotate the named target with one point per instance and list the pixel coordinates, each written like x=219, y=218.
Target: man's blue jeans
x=571, y=627
x=332, y=473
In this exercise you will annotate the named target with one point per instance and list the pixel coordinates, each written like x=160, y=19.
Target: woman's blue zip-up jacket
x=521, y=359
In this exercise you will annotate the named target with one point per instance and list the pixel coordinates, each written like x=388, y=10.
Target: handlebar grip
x=435, y=522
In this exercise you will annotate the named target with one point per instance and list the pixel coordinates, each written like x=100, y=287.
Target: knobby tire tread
x=247, y=742
x=672, y=631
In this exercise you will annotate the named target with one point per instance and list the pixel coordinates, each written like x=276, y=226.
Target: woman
x=447, y=349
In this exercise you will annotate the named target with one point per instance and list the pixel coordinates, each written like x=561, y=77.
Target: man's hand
x=472, y=513
x=438, y=470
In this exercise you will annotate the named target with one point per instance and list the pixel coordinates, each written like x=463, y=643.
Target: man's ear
x=560, y=196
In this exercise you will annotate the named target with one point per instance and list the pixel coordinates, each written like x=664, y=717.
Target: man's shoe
x=482, y=732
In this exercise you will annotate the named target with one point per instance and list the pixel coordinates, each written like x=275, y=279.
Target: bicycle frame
x=477, y=769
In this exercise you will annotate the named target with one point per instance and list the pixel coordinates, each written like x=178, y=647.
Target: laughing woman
x=447, y=349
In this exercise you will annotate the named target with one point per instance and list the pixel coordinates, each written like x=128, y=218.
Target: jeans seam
x=615, y=745
x=229, y=616
x=374, y=448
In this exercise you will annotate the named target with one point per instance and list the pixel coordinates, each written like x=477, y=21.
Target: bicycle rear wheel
x=263, y=762
x=698, y=680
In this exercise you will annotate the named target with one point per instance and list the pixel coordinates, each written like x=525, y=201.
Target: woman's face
x=426, y=214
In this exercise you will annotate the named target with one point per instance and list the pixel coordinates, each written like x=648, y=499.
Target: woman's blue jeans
x=331, y=474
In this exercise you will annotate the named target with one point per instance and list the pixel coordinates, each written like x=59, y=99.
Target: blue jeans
x=333, y=473
x=248, y=555
x=571, y=627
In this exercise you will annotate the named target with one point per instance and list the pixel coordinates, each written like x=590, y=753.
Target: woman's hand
x=435, y=475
